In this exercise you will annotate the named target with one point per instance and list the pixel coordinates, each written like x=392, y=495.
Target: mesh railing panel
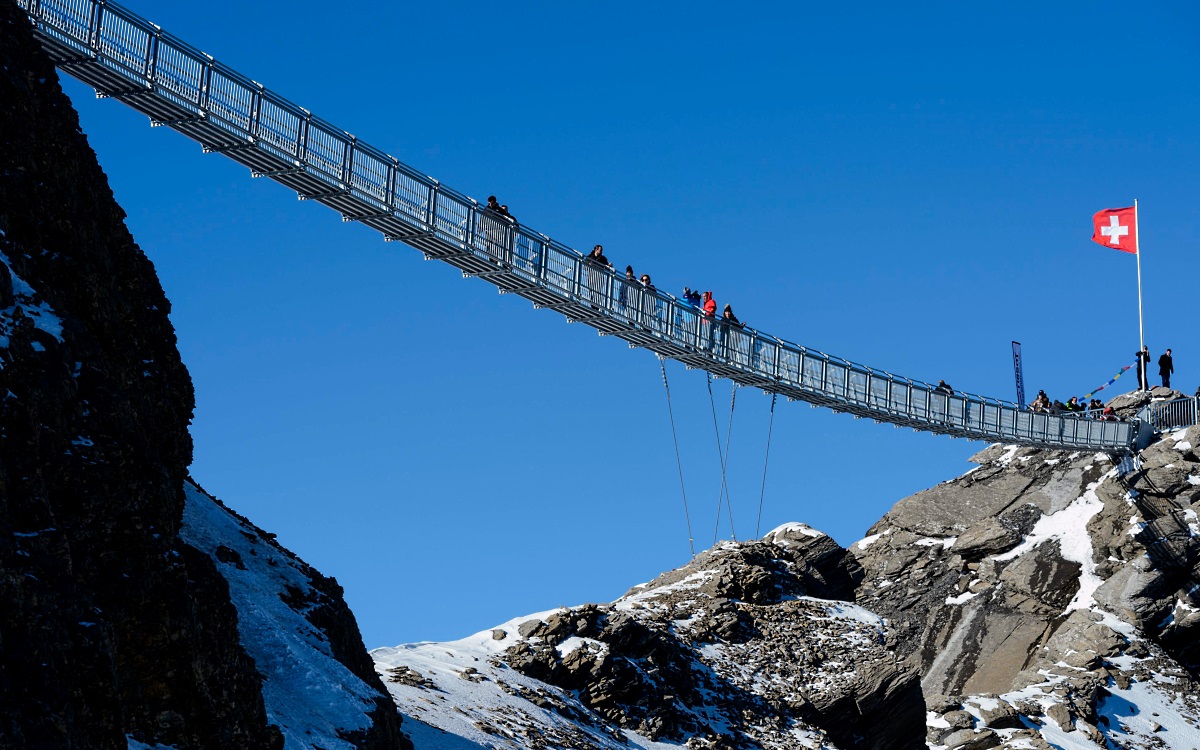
x=122, y=40
x=178, y=71
x=279, y=124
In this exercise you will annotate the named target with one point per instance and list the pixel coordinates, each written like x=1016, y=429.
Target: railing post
x=205, y=86
x=93, y=40
x=151, y=67
x=347, y=160
x=544, y=250
x=389, y=195
x=472, y=221
x=255, y=110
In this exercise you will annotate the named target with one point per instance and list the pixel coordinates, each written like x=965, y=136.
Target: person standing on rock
x=1166, y=366
x=1143, y=364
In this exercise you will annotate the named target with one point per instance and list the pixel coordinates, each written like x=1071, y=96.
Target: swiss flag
x=1116, y=228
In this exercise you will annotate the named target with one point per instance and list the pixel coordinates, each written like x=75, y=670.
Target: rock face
x=111, y=626
x=1043, y=584
x=1041, y=600
x=749, y=646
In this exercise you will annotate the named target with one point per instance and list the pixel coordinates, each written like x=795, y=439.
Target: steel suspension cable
x=678, y=461
x=725, y=463
x=722, y=456
x=762, y=492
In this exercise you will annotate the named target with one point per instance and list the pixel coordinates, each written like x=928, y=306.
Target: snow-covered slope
x=315, y=698
x=1042, y=600
x=729, y=651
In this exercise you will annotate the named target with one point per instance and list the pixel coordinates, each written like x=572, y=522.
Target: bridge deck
x=130, y=59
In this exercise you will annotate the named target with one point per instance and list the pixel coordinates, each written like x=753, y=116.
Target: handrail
x=1180, y=412
x=131, y=59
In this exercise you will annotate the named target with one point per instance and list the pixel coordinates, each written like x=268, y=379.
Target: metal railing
x=1169, y=415
x=130, y=59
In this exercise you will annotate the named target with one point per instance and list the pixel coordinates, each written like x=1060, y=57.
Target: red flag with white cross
x=1117, y=228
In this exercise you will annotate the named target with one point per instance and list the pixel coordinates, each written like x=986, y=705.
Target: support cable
x=678, y=461
x=722, y=456
x=725, y=463
x=762, y=492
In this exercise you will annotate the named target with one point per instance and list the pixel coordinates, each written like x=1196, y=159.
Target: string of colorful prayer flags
x=1114, y=379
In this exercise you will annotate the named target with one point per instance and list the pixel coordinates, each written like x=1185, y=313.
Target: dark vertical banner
x=1017, y=370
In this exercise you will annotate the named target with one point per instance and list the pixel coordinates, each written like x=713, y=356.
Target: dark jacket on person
x=1166, y=365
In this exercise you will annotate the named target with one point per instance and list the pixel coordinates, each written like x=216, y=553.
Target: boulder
x=1061, y=716
x=988, y=537
x=1044, y=574
x=1136, y=592
x=1002, y=716
x=968, y=739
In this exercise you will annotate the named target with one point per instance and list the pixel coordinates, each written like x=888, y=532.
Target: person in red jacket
x=710, y=311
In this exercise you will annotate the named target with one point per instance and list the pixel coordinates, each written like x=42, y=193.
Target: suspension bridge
x=128, y=58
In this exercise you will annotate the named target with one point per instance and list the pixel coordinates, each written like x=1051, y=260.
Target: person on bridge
x=1166, y=366
x=493, y=226
x=1073, y=404
x=594, y=268
x=1143, y=363
x=649, y=298
x=1041, y=404
x=728, y=320
x=627, y=286
x=944, y=387
x=709, y=305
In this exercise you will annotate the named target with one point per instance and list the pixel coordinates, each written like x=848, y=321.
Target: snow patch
x=1069, y=527
x=309, y=694
x=42, y=315
x=962, y=598
x=794, y=526
x=945, y=542
x=866, y=541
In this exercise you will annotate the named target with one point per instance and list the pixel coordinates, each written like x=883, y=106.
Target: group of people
x=633, y=292
x=1166, y=368
x=1094, y=408
x=596, y=264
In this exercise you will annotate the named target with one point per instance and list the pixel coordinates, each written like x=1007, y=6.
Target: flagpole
x=1138, y=234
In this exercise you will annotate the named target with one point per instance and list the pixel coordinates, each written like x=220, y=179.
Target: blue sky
x=908, y=187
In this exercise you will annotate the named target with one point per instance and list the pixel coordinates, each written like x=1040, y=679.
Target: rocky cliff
x=114, y=629
x=1041, y=600
x=1045, y=596
x=752, y=645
